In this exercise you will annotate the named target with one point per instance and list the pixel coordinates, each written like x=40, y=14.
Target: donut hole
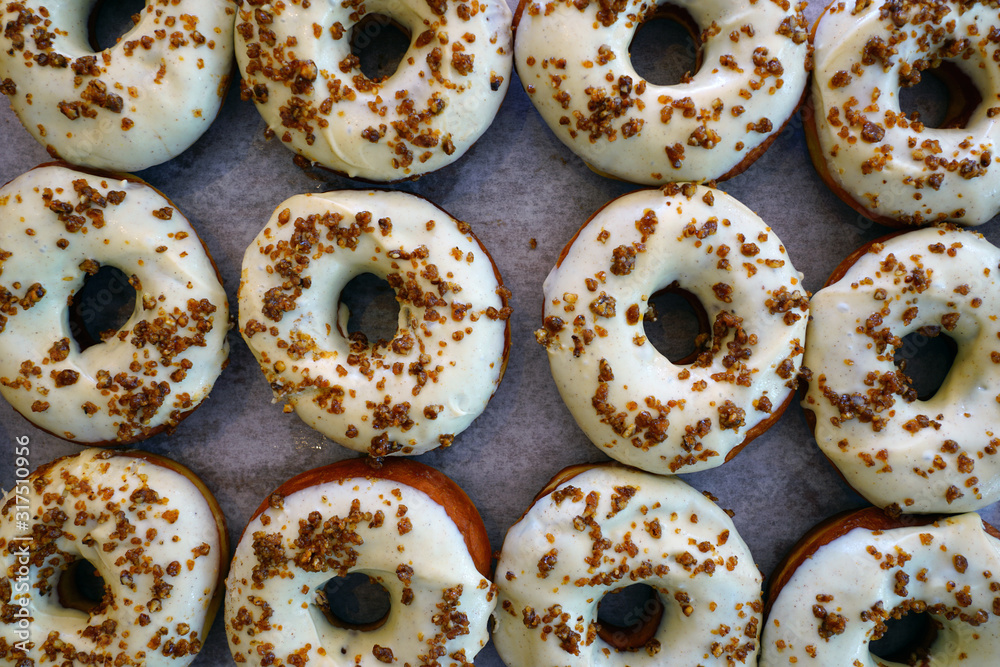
x=906, y=640
x=665, y=48
x=101, y=306
x=374, y=310
x=926, y=357
x=379, y=43
x=628, y=618
x=355, y=602
x=111, y=19
x=81, y=587
x=940, y=97
x=681, y=324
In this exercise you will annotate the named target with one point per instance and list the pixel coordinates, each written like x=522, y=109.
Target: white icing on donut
x=894, y=169
x=395, y=534
x=298, y=67
x=57, y=225
x=408, y=395
x=151, y=535
x=630, y=400
x=611, y=527
x=573, y=60
x=131, y=106
x=839, y=598
x=937, y=455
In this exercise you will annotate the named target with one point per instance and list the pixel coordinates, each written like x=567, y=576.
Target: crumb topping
x=174, y=344
x=869, y=419
x=594, y=548
x=85, y=106
x=708, y=126
x=439, y=600
x=407, y=118
x=882, y=576
x=129, y=511
x=382, y=396
x=881, y=159
x=751, y=352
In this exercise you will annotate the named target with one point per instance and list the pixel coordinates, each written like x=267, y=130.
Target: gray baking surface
x=516, y=184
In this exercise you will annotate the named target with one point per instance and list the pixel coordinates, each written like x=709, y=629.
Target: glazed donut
x=407, y=526
x=57, y=225
x=151, y=530
x=899, y=452
x=629, y=399
x=598, y=529
x=106, y=109
x=404, y=396
x=890, y=167
x=851, y=575
x=298, y=67
x=573, y=60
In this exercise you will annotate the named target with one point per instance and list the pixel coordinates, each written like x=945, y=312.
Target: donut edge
x=440, y=488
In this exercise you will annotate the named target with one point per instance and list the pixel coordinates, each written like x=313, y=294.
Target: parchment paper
x=516, y=184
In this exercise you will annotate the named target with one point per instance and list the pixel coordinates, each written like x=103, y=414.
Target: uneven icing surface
x=396, y=535
x=151, y=536
x=935, y=455
x=628, y=398
x=133, y=105
x=297, y=66
x=840, y=598
x=892, y=166
x=407, y=395
x=573, y=60
x=57, y=226
x=612, y=527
